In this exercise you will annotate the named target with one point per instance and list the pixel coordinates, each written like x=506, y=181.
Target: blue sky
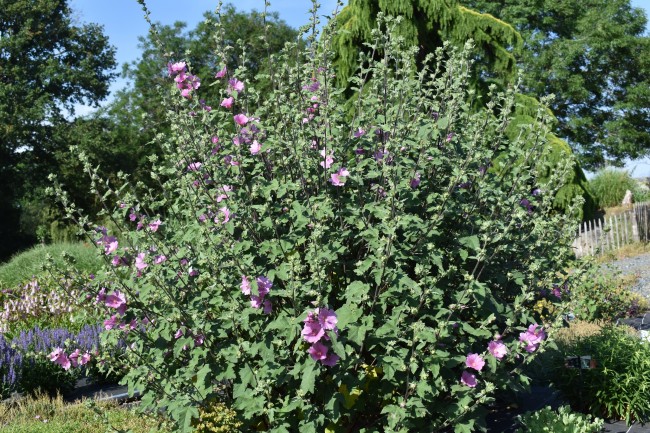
x=123, y=22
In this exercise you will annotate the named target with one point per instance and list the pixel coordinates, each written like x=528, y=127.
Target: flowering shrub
x=316, y=271
x=40, y=303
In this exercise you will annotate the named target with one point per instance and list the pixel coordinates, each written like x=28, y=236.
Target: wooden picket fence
x=610, y=233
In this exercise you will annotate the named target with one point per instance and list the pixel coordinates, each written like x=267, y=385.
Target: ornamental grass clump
x=314, y=269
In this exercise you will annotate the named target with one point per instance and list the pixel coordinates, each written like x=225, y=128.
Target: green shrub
x=609, y=187
x=319, y=272
x=604, y=294
x=561, y=421
x=619, y=386
x=216, y=417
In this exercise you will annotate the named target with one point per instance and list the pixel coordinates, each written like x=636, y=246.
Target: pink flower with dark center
x=101, y=295
x=241, y=119
x=159, y=259
x=110, y=246
x=74, y=358
x=154, y=225
x=474, y=361
x=245, y=285
x=263, y=285
x=140, y=264
x=58, y=356
x=111, y=322
x=468, y=379
x=328, y=159
x=221, y=73
x=178, y=67
x=330, y=360
x=255, y=147
x=227, y=102
x=312, y=331
x=116, y=300
x=497, y=349
x=532, y=337
x=235, y=85
x=257, y=301
x=326, y=318
x=318, y=351
x=338, y=178
x=194, y=166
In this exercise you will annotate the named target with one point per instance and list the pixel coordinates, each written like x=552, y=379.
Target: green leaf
x=308, y=377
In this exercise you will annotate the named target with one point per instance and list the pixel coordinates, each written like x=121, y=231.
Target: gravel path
x=640, y=266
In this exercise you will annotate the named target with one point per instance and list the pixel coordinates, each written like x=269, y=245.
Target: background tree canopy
x=593, y=55
x=47, y=64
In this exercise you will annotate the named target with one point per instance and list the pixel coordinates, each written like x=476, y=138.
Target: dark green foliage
x=594, y=56
x=47, y=64
x=427, y=24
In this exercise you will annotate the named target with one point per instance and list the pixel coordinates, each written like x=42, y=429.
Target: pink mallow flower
x=74, y=358
x=263, y=285
x=330, y=360
x=223, y=196
x=154, y=225
x=236, y=85
x=140, y=264
x=195, y=166
x=326, y=318
x=328, y=159
x=221, y=73
x=58, y=356
x=497, y=349
x=338, y=178
x=474, y=361
x=255, y=147
x=111, y=322
x=468, y=379
x=241, y=119
x=312, y=331
x=85, y=359
x=318, y=351
x=178, y=67
x=116, y=300
x=159, y=259
x=245, y=285
x=532, y=337
x=227, y=102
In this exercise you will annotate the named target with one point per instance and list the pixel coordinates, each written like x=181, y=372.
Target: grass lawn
x=45, y=415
